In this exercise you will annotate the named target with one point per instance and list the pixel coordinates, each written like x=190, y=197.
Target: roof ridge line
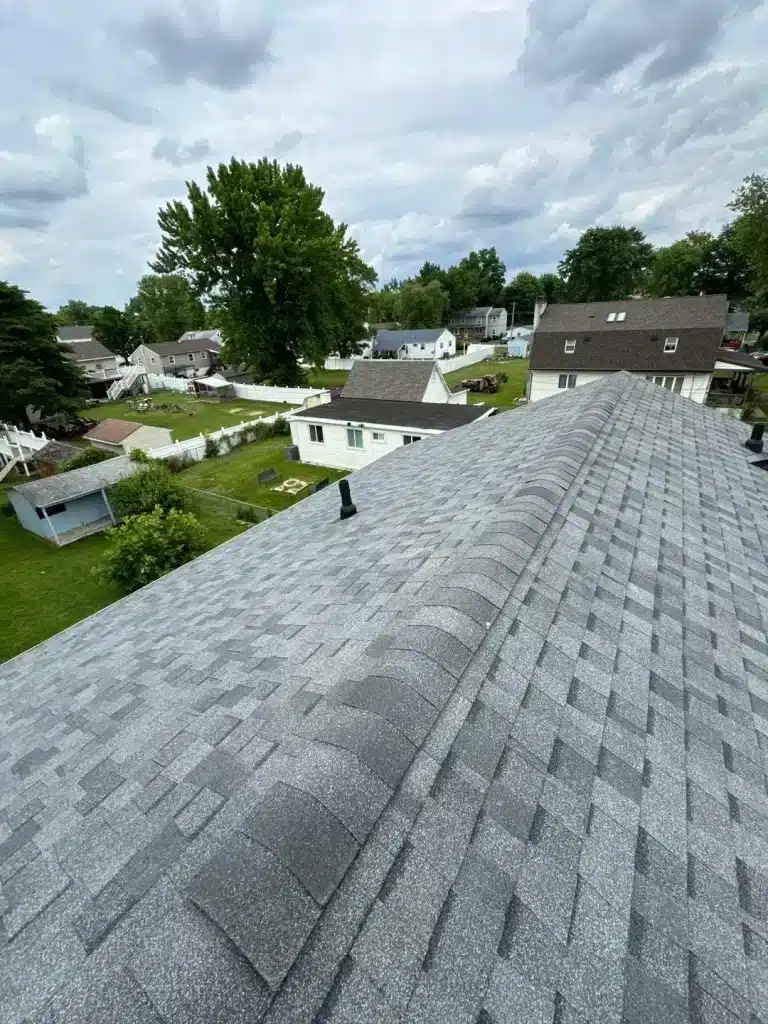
x=372, y=729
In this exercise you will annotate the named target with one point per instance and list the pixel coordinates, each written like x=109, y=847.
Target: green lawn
x=236, y=475
x=506, y=396
x=45, y=588
x=328, y=378
x=197, y=417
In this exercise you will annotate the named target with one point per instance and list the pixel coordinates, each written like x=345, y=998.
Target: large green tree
x=750, y=230
x=724, y=268
x=164, y=307
x=676, y=268
x=422, y=305
x=520, y=296
x=35, y=372
x=114, y=329
x=288, y=282
x=76, y=312
x=606, y=263
x=552, y=287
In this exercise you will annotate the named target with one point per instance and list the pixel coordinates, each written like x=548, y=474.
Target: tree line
x=253, y=253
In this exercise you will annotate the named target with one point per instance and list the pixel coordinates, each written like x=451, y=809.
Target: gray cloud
x=589, y=42
x=84, y=94
x=176, y=153
x=287, y=142
x=197, y=45
x=483, y=206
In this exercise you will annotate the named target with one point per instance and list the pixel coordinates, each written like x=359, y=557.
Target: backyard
x=507, y=395
x=236, y=475
x=46, y=589
x=196, y=418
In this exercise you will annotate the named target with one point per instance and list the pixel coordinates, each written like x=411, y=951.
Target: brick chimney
x=538, y=310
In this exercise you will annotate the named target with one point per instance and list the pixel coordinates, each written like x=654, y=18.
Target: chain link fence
x=210, y=501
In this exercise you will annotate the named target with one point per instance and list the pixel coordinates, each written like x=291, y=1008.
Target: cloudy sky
x=434, y=126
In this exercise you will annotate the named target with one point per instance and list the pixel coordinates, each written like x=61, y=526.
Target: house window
x=670, y=383
x=354, y=437
x=171, y=359
x=203, y=356
x=410, y=438
x=611, y=318
x=566, y=380
x=421, y=347
x=570, y=345
x=191, y=357
x=621, y=317
x=99, y=366
x=670, y=344
x=316, y=434
x=378, y=436
x=52, y=510
x=152, y=359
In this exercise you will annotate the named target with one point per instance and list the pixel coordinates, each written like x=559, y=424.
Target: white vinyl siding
x=545, y=382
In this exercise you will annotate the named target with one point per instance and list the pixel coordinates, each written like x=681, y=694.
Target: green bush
x=212, y=448
x=137, y=455
x=281, y=427
x=89, y=458
x=140, y=493
x=148, y=546
x=177, y=463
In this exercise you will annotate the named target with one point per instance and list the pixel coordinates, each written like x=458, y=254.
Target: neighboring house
x=490, y=751
x=121, y=436
x=384, y=405
x=97, y=362
x=212, y=338
x=66, y=507
x=429, y=343
x=189, y=358
x=674, y=342
x=479, y=323
x=53, y=455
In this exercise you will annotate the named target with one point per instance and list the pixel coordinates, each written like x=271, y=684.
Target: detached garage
x=120, y=437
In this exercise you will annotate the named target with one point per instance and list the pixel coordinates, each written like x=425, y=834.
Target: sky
x=434, y=127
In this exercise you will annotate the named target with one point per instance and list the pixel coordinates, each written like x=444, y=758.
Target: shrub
x=177, y=463
x=140, y=493
x=137, y=455
x=212, y=448
x=281, y=427
x=247, y=514
x=148, y=546
x=89, y=458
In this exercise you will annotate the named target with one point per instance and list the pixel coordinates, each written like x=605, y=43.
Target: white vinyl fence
x=249, y=392
x=475, y=354
x=194, y=447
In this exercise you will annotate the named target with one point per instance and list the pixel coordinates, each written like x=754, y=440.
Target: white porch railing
x=125, y=383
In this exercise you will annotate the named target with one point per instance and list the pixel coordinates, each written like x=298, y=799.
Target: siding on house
x=543, y=383
x=335, y=452
x=77, y=512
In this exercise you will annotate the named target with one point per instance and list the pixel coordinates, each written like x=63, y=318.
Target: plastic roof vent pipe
x=347, y=508
x=755, y=440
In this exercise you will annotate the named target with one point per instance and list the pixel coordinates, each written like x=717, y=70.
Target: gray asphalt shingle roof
x=403, y=380
x=392, y=341
x=50, y=490
x=493, y=750
x=378, y=412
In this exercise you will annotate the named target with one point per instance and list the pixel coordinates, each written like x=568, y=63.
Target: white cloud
x=433, y=128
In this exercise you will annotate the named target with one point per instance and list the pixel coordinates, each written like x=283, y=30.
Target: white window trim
x=171, y=359
x=354, y=431
x=378, y=436
x=318, y=430
x=670, y=345
x=568, y=377
x=570, y=346
x=191, y=356
x=621, y=317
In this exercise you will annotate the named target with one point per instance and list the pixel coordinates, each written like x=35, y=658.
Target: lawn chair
x=270, y=476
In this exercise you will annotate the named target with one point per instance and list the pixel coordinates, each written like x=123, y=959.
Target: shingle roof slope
x=87, y=348
x=492, y=750
x=675, y=313
x=74, y=332
x=184, y=346
x=422, y=415
x=112, y=430
x=402, y=380
x=49, y=490
x=57, y=451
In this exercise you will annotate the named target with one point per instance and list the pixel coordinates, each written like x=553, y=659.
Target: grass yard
x=45, y=589
x=328, y=378
x=197, y=417
x=236, y=475
x=506, y=396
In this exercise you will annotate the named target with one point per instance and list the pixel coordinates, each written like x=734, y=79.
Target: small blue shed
x=68, y=506
x=518, y=347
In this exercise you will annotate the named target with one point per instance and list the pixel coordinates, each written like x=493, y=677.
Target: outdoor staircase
x=125, y=383
x=8, y=467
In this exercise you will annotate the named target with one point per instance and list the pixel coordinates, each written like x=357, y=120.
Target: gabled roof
x=87, y=348
x=178, y=348
x=112, y=431
x=391, y=341
x=479, y=311
x=493, y=749
x=684, y=312
x=742, y=359
x=376, y=411
x=51, y=490
x=403, y=380
x=207, y=335
x=57, y=451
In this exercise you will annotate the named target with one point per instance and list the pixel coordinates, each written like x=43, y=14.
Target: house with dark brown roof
x=674, y=342
x=120, y=437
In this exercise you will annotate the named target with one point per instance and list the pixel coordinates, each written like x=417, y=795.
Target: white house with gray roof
x=99, y=365
x=480, y=323
x=430, y=343
x=492, y=750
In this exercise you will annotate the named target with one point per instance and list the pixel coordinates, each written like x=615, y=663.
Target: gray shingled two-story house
x=492, y=750
x=675, y=342
x=95, y=360
x=188, y=357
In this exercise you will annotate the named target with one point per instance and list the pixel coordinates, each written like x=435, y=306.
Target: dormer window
x=570, y=346
x=670, y=344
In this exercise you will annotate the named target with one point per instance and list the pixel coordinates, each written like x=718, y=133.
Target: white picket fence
x=194, y=447
x=248, y=392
